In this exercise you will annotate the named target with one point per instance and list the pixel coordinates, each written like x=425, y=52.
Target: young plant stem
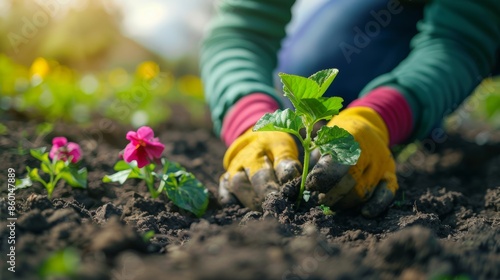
x=304, y=176
x=52, y=182
x=306, y=143
x=149, y=178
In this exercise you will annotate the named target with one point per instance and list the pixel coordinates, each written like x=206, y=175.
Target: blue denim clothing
x=363, y=39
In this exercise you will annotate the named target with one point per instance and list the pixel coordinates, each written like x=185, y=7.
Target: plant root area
x=443, y=224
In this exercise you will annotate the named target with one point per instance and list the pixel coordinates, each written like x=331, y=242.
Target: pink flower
x=143, y=147
x=64, y=150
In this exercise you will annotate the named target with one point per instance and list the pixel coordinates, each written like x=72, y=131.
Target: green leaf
x=23, y=183
x=74, y=177
x=332, y=104
x=40, y=155
x=326, y=210
x=44, y=128
x=339, y=143
x=120, y=176
x=298, y=87
x=170, y=166
x=33, y=173
x=123, y=165
x=324, y=78
x=322, y=108
x=306, y=95
x=187, y=192
x=285, y=121
x=126, y=170
x=45, y=167
x=492, y=105
x=306, y=195
x=297, y=94
x=162, y=178
x=59, y=166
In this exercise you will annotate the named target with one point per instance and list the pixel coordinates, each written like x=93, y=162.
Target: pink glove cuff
x=244, y=114
x=390, y=104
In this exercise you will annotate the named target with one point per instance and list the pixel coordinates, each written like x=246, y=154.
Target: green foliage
x=186, y=191
x=125, y=171
x=55, y=170
x=44, y=128
x=326, y=210
x=339, y=143
x=180, y=186
x=284, y=121
x=131, y=171
x=492, y=104
x=62, y=264
x=306, y=95
x=148, y=235
x=51, y=92
x=3, y=129
x=484, y=103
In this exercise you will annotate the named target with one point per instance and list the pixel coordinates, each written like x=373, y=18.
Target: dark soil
x=444, y=224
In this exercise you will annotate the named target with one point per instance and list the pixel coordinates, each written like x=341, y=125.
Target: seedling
x=62, y=264
x=63, y=164
x=141, y=158
x=306, y=95
x=148, y=235
x=401, y=202
x=326, y=210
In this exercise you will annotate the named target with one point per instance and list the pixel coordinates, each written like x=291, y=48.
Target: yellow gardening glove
x=372, y=180
x=256, y=164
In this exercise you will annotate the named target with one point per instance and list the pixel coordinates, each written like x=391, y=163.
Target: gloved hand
x=256, y=164
x=372, y=180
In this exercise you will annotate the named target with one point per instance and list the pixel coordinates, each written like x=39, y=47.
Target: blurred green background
x=135, y=62
x=77, y=61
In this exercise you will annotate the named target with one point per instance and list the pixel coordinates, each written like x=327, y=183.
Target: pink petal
x=53, y=152
x=142, y=159
x=59, y=141
x=73, y=146
x=132, y=153
x=143, y=146
x=132, y=136
x=145, y=133
x=154, y=149
x=129, y=153
x=74, y=151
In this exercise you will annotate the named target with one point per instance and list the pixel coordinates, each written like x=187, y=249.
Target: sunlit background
x=80, y=60
x=130, y=61
x=95, y=34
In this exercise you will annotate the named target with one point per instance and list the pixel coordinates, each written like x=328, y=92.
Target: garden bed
x=444, y=223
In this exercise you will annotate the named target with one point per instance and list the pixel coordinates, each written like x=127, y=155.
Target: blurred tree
x=83, y=34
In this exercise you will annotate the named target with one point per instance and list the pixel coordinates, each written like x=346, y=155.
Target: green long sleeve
x=455, y=49
x=239, y=53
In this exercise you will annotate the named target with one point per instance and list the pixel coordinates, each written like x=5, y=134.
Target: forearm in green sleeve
x=238, y=54
x=454, y=50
